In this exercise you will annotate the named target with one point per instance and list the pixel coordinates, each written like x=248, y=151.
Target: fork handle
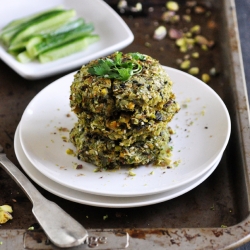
x=30, y=190
x=60, y=227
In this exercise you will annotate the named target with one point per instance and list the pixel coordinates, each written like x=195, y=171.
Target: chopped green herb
x=137, y=56
x=118, y=69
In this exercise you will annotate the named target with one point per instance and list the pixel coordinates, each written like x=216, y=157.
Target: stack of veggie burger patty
x=124, y=103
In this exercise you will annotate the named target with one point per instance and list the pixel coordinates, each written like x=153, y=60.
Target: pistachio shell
x=199, y=10
x=196, y=29
x=181, y=42
x=194, y=71
x=213, y=71
x=160, y=33
x=195, y=55
x=186, y=18
x=167, y=15
x=5, y=216
x=172, y=5
x=185, y=64
x=205, y=78
x=175, y=19
x=201, y=40
x=191, y=3
x=175, y=34
x=6, y=208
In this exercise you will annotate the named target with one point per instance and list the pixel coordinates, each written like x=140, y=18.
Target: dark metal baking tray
x=215, y=215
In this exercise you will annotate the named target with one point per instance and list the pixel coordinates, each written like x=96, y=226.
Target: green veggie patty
x=122, y=122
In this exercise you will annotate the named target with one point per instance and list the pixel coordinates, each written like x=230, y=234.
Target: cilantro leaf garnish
x=116, y=68
x=137, y=56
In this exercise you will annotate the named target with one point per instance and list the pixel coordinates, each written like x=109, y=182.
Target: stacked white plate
x=202, y=129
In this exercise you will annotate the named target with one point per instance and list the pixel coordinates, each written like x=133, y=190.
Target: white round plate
x=202, y=131
x=96, y=200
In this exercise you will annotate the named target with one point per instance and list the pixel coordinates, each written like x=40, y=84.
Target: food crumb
x=131, y=173
x=64, y=138
x=70, y=151
x=61, y=129
x=176, y=163
x=223, y=226
x=212, y=207
x=80, y=175
x=105, y=217
x=79, y=166
x=31, y=228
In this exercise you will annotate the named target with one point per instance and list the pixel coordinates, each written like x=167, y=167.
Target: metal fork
x=60, y=227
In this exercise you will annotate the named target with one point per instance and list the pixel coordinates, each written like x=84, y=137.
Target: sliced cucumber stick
x=53, y=41
x=68, y=48
x=17, y=47
x=24, y=57
x=30, y=45
x=69, y=26
x=19, y=21
x=15, y=26
x=42, y=22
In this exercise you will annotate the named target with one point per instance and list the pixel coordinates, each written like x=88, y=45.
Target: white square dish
x=113, y=31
